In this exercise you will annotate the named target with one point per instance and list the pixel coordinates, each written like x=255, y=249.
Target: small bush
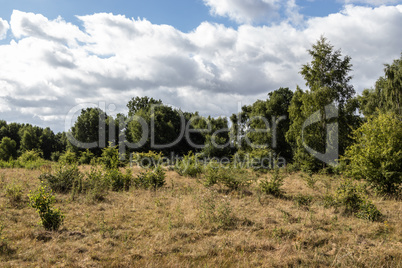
x=117, y=180
x=233, y=178
x=355, y=201
x=147, y=160
x=368, y=211
x=273, y=186
x=350, y=196
x=110, y=157
x=42, y=200
x=303, y=200
x=215, y=211
x=95, y=185
x=151, y=179
x=63, y=179
x=189, y=166
x=68, y=158
x=86, y=157
x=14, y=193
x=55, y=156
x=30, y=160
x=30, y=156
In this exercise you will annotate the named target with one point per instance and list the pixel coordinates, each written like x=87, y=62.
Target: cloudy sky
x=198, y=55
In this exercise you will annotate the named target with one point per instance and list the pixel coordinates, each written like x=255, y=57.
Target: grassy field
x=185, y=224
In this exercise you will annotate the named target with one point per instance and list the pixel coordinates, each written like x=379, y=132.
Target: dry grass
x=185, y=224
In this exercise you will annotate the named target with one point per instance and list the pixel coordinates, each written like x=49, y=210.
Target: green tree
x=217, y=141
x=270, y=115
x=8, y=149
x=376, y=155
x=91, y=124
x=387, y=93
x=48, y=143
x=141, y=103
x=327, y=77
x=30, y=140
x=155, y=126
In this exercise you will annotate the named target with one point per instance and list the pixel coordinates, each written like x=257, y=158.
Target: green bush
x=110, y=157
x=117, y=180
x=63, y=179
x=376, y=155
x=369, y=211
x=86, y=157
x=95, y=185
x=355, y=201
x=150, y=159
x=189, y=166
x=232, y=178
x=153, y=179
x=68, y=158
x=55, y=156
x=30, y=156
x=273, y=185
x=350, y=196
x=42, y=200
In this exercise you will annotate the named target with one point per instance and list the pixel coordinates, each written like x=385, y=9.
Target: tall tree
x=90, y=127
x=327, y=78
x=8, y=149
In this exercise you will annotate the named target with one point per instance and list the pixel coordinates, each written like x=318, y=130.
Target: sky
x=211, y=56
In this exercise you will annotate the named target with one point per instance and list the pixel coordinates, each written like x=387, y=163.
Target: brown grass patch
x=184, y=224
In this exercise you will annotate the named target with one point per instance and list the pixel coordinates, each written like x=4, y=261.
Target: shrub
x=376, y=155
x=95, y=186
x=68, y=158
x=63, y=179
x=42, y=200
x=273, y=186
x=30, y=156
x=215, y=211
x=147, y=160
x=350, y=196
x=110, y=157
x=86, y=157
x=117, y=180
x=232, y=178
x=303, y=200
x=55, y=156
x=189, y=166
x=14, y=193
x=368, y=211
x=151, y=179
x=356, y=202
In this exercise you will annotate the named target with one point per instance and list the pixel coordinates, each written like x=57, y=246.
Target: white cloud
x=52, y=65
x=244, y=11
x=371, y=2
x=3, y=28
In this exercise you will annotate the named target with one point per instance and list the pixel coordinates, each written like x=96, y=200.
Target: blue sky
x=184, y=15
x=209, y=55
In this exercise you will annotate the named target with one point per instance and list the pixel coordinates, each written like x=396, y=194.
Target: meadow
x=186, y=224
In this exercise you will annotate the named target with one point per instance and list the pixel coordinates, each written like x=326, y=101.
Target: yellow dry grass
x=185, y=224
